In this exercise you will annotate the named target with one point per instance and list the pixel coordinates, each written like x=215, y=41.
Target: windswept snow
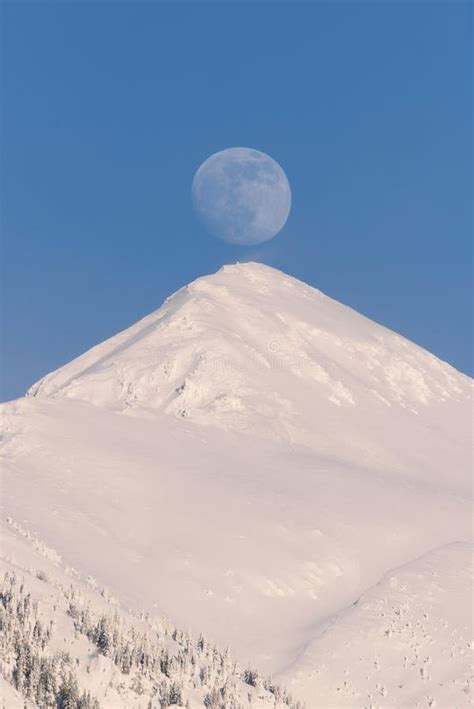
x=251, y=460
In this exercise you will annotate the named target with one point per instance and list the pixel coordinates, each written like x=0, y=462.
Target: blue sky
x=110, y=107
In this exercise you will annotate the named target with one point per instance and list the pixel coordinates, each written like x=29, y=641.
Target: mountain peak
x=252, y=349
x=247, y=267
x=249, y=275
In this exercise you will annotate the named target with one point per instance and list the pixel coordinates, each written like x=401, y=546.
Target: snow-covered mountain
x=250, y=348
x=261, y=463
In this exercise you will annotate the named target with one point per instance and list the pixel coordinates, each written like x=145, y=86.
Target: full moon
x=242, y=196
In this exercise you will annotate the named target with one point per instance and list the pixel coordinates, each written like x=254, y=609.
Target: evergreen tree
x=68, y=695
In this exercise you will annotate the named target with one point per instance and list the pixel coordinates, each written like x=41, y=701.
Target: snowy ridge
x=405, y=642
x=250, y=349
x=61, y=639
x=206, y=351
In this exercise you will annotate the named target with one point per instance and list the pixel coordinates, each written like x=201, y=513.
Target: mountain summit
x=252, y=349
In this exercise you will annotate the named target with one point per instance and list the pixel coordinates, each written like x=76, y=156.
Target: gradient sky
x=110, y=107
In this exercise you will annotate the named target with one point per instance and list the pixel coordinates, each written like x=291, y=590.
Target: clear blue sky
x=109, y=108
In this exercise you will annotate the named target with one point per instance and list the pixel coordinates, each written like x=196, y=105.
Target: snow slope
x=61, y=634
x=250, y=460
x=405, y=642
